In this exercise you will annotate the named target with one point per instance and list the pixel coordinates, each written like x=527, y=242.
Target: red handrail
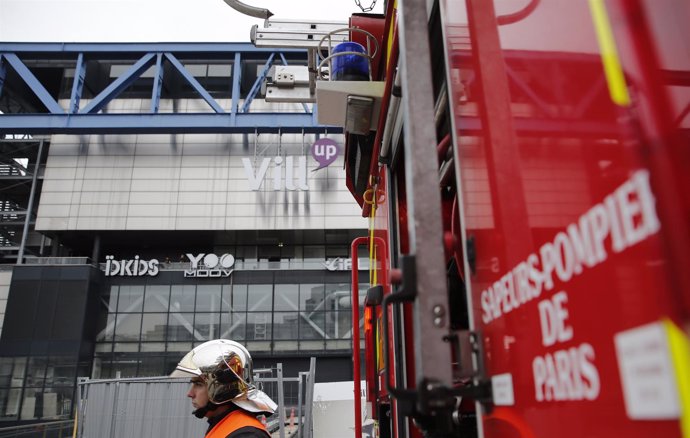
x=355, y=333
x=356, y=373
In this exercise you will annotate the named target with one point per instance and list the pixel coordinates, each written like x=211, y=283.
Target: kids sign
x=290, y=173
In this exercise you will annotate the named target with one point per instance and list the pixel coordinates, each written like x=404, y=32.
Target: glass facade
x=145, y=329
x=66, y=322
x=38, y=387
x=45, y=341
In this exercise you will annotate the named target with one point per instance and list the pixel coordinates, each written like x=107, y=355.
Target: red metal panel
x=577, y=275
x=374, y=24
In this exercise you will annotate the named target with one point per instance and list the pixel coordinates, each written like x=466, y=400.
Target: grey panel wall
x=189, y=182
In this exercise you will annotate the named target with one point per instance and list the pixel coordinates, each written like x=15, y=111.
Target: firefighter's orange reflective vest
x=233, y=421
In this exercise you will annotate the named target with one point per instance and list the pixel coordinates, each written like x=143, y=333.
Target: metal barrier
x=53, y=429
x=158, y=407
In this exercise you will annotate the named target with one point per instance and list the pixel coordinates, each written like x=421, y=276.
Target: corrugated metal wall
x=137, y=408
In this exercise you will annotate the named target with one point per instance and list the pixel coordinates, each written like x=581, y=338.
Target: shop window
x=9, y=403
x=29, y=408
x=106, y=327
x=153, y=326
x=157, y=298
x=61, y=371
x=238, y=299
x=182, y=298
x=338, y=297
x=312, y=326
x=151, y=366
x=259, y=326
x=208, y=298
x=126, y=366
x=36, y=372
x=286, y=297
x=55, y=403
x=12, y=370
x=340, y=324
x=180, y=327
x=128, y=327
x=206, y=326
x=131, y=299
x=233, y=326
x=101, y=368
x=259, y=297
x=311, y=296
x=226, y=298
x=285, y=325
x=111, y=299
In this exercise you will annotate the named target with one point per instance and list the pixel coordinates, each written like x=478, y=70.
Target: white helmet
x=226, y=368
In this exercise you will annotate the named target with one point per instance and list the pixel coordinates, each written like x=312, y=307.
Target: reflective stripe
x=618, y=89
x=680, y=356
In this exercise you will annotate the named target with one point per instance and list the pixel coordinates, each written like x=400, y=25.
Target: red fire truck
x=527, y=180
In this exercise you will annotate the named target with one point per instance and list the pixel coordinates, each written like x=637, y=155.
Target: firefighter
x=222, y=390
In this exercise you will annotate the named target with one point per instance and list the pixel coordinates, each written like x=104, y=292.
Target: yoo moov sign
x=209, y=265
x=290, y=173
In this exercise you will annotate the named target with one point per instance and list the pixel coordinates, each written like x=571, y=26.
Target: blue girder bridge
x=65, y=88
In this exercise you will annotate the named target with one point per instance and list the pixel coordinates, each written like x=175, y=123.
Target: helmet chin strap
x=201, y=412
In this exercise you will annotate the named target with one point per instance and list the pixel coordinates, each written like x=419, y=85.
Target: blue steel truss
x=19, y=85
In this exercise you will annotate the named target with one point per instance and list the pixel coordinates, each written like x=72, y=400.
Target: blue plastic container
x=349, y=67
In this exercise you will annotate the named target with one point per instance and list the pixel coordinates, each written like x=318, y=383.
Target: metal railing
x=53, y=429
x=57, y=261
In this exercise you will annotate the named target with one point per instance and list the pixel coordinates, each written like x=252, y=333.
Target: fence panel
x=138, y=408
x=158, y=407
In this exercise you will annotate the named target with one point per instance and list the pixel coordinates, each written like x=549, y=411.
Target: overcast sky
x=152, y=20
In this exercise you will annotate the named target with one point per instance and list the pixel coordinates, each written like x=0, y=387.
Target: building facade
x=141, y=244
